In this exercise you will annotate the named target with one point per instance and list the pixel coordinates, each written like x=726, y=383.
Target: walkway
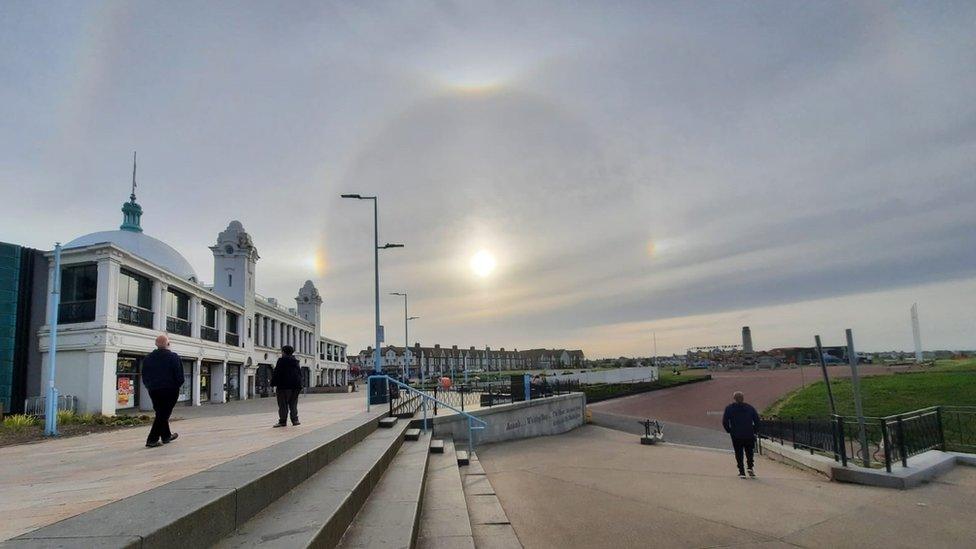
x=52, y=480
x=595, y=487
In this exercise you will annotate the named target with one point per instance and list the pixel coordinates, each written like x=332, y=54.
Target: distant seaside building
x=121, y=288
x=443, y=360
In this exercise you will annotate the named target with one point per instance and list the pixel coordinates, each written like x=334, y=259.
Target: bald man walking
x=162, y=373
x=741, y=422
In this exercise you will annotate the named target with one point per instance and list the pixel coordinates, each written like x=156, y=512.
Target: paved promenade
x=596, y=487
x=701, y=404
x=48, y=481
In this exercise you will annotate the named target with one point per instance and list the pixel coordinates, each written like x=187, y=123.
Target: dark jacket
x=740, y=420
x=287, y=373
x=162, y=369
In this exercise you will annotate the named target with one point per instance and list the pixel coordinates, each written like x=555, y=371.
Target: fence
x=886, y=440
x=35, y=406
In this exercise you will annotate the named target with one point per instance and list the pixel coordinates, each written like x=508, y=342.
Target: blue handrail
x=472, y=420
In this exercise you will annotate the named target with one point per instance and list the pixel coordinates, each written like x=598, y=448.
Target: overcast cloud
x=676, y=168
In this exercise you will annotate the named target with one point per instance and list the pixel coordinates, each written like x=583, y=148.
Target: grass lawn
x=596, y=393
x=949, y=382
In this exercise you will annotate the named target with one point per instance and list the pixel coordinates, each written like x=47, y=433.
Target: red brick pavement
x=701, y=404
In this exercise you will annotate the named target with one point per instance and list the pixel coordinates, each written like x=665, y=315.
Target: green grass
x=949, y=382
x=18, y=423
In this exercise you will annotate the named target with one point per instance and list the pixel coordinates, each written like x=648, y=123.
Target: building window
x=208, y=325
x=177, y=313
x=230, y=336
x=249, y=328
x=230, y=280
x=78, y=288
x=135, y=299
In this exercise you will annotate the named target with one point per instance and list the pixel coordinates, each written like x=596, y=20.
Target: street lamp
x=377, y=368
x=406, y=337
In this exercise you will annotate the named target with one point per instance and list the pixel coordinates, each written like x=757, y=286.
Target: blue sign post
x=51, y=406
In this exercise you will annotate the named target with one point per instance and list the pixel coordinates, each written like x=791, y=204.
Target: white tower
x=235, y=258
x=916, y=333
x=310, y=306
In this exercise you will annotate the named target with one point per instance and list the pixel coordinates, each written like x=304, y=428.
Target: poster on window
x=125, y=392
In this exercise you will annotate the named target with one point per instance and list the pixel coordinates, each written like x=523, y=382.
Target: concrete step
x=388, y=422
x=444, y=521
x=412, y=434
x=437, y=446
x=462, y=457
x=317, y=512
x=202, y=508
x=490, y=526
x=391, y=514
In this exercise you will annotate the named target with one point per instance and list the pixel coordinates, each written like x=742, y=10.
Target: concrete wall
x=546, y=416
x=616, y=375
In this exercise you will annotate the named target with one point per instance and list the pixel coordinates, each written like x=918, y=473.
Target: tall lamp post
x=377, y=365
x=406, y=336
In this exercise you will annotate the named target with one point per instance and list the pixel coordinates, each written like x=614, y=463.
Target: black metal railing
x=885, y=440
x=232, y=339
x=208, y=333
x=135, y=316
x=177, y=326
x=76, y=311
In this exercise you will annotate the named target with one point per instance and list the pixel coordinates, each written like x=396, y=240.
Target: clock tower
x=235, y=258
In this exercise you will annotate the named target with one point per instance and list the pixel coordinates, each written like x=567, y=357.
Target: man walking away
x=741, y=422
x=287, y=378
x=162, y=373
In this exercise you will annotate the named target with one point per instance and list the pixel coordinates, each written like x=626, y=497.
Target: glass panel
x=127, y=382
x=79, y=283
x=209, y=315
x=177, y=305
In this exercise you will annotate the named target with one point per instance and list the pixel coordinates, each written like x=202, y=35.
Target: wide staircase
x=373, y=480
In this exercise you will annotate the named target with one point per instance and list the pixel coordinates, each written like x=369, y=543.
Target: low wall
x=534, y=418
x=616, y=375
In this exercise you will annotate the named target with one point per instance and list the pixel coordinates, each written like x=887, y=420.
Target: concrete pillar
x=196, y=316
x=217, y=382
x=99, y=398
x=159, y=305
x=107, y=298
x=222, y=328
x=195, y=382
x=242, y=382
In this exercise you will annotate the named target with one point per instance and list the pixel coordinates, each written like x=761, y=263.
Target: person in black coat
x=741, y=422
x=287, y=379
x=162, y=374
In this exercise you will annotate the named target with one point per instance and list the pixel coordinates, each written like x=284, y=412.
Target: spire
x=131, y=211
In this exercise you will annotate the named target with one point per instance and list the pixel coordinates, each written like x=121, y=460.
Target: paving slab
x=444, y=521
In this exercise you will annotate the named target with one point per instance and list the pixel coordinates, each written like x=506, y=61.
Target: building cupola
x=132, y=211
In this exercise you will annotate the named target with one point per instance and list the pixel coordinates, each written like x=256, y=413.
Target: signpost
x=856, y=384
x=51, y=406
x=823, y=368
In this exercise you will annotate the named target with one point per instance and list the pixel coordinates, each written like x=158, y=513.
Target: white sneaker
x=752, y=473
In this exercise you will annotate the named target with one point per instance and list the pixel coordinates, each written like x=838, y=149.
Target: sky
x=623, y=171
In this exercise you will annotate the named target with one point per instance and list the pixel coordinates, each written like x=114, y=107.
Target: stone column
x=195, y=382
x=196, y=316
x=222, y=328
x=242, y=382
x=107, y=291
x=101, y=393
x=159, y=305
x=217, y=382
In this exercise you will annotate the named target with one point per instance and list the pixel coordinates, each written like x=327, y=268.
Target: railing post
x=793, y=431
x=886, y=440
x=389, y=393
x=938, y=417
x=840, y=438
x=900, y=433
x=810, y=431
x=461, y=394
x=435, y=398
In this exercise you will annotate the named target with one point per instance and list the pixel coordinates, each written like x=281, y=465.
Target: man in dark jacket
x=162, y=374
x=741, y=422
x=287, y=379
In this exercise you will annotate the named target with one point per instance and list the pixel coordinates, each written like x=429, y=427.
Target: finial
x=132, y=197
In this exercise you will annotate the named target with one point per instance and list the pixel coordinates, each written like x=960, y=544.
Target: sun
x=483, y=263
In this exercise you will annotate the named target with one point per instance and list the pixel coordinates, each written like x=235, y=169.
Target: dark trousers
x=743, y=444
x=163, y=401
x=288, y=401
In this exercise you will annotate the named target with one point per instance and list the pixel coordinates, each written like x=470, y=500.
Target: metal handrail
x=472, y=420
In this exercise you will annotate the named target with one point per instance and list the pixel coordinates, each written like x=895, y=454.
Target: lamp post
x=406, y=335
x=377, y=364
x=51, y=404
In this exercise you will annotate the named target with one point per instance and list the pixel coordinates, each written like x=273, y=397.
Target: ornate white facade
x=120, y=289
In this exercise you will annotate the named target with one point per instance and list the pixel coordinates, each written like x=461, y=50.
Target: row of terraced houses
x=445, y=360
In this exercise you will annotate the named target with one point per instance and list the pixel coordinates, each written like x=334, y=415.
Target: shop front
x=264, y=380
x=232, y=387
x=128, y=382
x=186, y=391
x=205, y=384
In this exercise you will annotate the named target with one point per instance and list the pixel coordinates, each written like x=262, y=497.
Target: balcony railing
x=177, y=326
x=136, y=316
x=208, y=333
x=76, y=311
x=232, y=339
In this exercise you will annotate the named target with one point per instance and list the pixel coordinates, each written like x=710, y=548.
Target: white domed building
x=122, y=288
